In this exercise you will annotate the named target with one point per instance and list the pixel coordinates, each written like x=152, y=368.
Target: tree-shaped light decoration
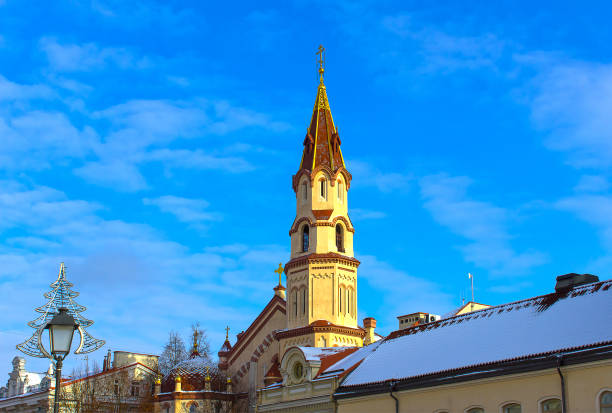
x=61, y=296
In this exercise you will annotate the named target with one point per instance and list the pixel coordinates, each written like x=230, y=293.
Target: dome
x=192, y=371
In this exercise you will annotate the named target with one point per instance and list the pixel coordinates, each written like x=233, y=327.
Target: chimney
x=567, y=282
x=177, y=383
x=369, y=324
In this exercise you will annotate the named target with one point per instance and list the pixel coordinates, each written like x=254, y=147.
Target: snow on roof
x=538, y=325
x=350, y=360
x=317, y=353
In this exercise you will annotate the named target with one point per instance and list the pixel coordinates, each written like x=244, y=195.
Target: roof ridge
x=426, y=326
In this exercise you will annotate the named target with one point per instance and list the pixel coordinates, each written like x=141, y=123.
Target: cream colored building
x=124, y=384
x=535, y=355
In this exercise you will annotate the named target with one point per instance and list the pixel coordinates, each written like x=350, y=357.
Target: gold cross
x=280, y=271
x=321, y=61
x=227, y=333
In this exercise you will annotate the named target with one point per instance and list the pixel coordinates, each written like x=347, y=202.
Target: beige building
x=534, y=355
x=123, y=385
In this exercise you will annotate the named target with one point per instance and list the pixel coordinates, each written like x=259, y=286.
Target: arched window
x=305, y=241
x=551, y=406
x=605, y=402
x=323, y=187
x=340, y=192
x=295, y=304
x=304, y=190
x=192, y=408
x=476, y=410
x=512, y=408
x=339, y=238
x=304, y=301
x=340, y=300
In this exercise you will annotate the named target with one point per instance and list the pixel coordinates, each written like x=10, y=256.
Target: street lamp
x=61, y=329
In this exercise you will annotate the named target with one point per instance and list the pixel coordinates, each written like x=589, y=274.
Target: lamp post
x=61, y=329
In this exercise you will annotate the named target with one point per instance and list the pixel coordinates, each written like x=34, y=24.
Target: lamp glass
x=60, y=337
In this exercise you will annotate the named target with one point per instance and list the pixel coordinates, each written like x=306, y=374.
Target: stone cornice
x=330, y=257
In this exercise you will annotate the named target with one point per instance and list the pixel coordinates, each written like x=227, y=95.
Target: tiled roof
x=322, y=142
x=557, y=322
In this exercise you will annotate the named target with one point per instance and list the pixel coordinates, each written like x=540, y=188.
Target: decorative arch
x=339, y=237
x=545, y=398
x=599, y=396
x=297, y=224
x=509, y=403
x=347, y=224
x=345, y=174
x=326, y=171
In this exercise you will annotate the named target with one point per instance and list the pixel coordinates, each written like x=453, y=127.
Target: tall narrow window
x=551, y=406
x=340, y=192
x=339, y=238
x=323, y=187
x=305, y=241
x=295, y=305
x=304, y=190
x=304, y=301
x=605, y=402
x=340, y=300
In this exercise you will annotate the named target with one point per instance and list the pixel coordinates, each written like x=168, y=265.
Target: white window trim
x=598, y=398
x=474, y=406
x=507, y=402
x=543, y=399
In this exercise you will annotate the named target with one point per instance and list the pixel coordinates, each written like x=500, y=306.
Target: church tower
x=322, y=272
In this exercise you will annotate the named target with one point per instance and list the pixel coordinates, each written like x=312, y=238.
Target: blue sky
x=150, y=146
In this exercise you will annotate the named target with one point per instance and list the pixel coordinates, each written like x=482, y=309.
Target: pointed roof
x=322, y=142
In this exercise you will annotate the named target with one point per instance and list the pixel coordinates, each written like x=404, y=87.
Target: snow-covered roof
x=546, y=324
x=318, y=353
x=350, y=360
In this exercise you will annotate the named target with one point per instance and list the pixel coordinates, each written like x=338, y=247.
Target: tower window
x=323, y=187
x=340, y=192
x=340, y=300
x=339, y=238
x=304, y=190
x=304, y=301
x=295, y=298
x=305, y=235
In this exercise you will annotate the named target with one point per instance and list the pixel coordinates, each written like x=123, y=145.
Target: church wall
x=240, y=362
x=583, y=384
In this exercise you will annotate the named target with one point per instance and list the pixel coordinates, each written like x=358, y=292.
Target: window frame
x=509, y=403
x=305, y=238
x=340, y=237
x=323, y=188
x=600, y=394
x=544, y=399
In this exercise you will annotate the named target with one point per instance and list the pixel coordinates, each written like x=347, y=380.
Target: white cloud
x=483, y=224
x=365, y=214
x=367, y=174
x=592, y=183
x=402, y=293
x=572, y=101
x=88, y=56
x=190, y=211
x=133, y=280
x=15, y=91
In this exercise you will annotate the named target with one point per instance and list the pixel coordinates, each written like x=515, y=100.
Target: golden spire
x=279, y=271
x=321, y=62
x=227, y=333
x=195, y=341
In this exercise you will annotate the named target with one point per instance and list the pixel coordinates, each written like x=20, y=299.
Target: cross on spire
x=280, y=271
x=321, y=61
x=227, y=332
